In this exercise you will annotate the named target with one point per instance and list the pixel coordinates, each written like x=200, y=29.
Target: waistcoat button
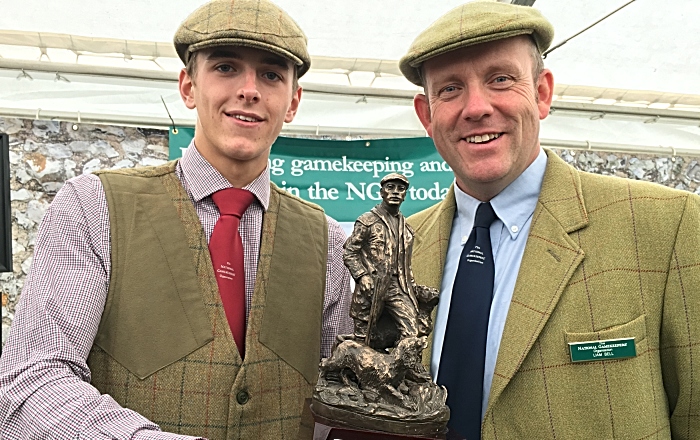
x=242, y=397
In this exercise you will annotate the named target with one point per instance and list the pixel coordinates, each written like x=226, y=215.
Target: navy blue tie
x=464, y=347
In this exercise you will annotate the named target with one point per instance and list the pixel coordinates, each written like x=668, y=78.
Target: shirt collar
x=204, y=180
x=513, y=206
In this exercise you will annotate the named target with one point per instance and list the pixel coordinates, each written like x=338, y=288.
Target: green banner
x=343, y=176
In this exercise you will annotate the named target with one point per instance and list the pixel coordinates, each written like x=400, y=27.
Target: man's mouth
x=483, y=138
x=244, y=118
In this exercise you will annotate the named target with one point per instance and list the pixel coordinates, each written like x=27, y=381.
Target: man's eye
x=272, y=76
x=449, y=89
x=224, y=68
x=500, y=79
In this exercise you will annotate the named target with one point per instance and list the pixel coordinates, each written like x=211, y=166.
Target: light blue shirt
x=514, y=207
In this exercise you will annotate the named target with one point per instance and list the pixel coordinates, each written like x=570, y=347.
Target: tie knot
x=233, y=201
x=484, y=216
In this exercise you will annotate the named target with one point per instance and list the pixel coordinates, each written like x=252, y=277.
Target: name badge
x=602, y=350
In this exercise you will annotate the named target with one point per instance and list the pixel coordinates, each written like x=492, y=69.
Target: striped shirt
x=45, y=389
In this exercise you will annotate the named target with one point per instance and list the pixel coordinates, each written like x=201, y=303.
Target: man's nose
x=249, y=89
x=477, y=103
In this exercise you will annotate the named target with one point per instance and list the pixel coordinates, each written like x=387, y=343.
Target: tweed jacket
x=606, y=258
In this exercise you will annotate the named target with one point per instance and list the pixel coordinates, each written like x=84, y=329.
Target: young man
x=586, y=322
x=131, y=322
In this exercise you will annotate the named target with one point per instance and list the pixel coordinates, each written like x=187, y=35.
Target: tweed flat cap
x=394, y=176
x=259, y=24
x=473, y=23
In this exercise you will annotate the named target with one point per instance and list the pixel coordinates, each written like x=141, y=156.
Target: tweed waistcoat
x=164, y=347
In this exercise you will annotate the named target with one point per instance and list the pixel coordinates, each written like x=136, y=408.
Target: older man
x=569, y=305
x=194, y=297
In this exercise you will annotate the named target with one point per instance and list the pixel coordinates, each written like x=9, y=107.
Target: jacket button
x=242, y=397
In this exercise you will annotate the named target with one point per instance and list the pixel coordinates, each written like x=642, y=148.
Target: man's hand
x=366, y=284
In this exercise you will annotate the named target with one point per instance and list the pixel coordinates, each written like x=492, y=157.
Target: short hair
x=191, y=69
x=537, y=60
x=537, y=65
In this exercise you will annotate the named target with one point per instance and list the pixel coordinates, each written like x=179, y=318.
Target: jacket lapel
x=550, y=259
x=432, y=234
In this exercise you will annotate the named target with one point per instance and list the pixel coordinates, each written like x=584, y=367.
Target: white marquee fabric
x=644, y=60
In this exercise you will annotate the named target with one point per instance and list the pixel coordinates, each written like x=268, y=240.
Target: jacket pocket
x=635, y=328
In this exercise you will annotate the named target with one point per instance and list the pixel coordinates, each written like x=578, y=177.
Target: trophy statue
x=374, y=380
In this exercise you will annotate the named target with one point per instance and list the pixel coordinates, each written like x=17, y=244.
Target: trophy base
x=339, y=424
x=325, y=432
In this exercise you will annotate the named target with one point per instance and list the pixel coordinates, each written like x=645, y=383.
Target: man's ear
x=422, y=107
x=293, y=106
x=545, y=92
x=186, y=86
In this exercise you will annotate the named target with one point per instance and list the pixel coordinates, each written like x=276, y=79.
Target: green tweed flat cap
x=259, y=24
x=473, y=23
x=394, y=176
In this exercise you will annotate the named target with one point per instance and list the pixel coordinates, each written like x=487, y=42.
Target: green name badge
x=602, y=350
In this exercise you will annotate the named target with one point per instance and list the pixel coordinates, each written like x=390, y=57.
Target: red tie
x=226, y=249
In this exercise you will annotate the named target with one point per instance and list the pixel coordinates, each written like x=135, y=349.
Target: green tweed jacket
x=606, y=258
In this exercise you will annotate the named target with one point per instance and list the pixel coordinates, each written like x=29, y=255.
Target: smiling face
x=483, y=109
x=242, y=96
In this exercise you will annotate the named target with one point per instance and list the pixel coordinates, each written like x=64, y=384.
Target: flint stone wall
x=44, y=154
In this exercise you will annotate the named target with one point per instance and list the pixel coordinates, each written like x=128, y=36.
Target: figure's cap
x=473, y=23
x=394, y=176
x=259, y=24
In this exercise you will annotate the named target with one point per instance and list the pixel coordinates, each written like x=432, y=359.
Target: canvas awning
x=630, y=81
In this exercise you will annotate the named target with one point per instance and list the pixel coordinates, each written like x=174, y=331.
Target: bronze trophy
x=374, y=385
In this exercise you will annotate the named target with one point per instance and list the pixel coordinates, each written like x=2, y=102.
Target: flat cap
x=394, y=176
x=473, y=23
x=259, y=24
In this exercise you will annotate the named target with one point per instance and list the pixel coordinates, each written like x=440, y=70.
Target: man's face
x=242, y=96
x=393, y=192
x=483, y=109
